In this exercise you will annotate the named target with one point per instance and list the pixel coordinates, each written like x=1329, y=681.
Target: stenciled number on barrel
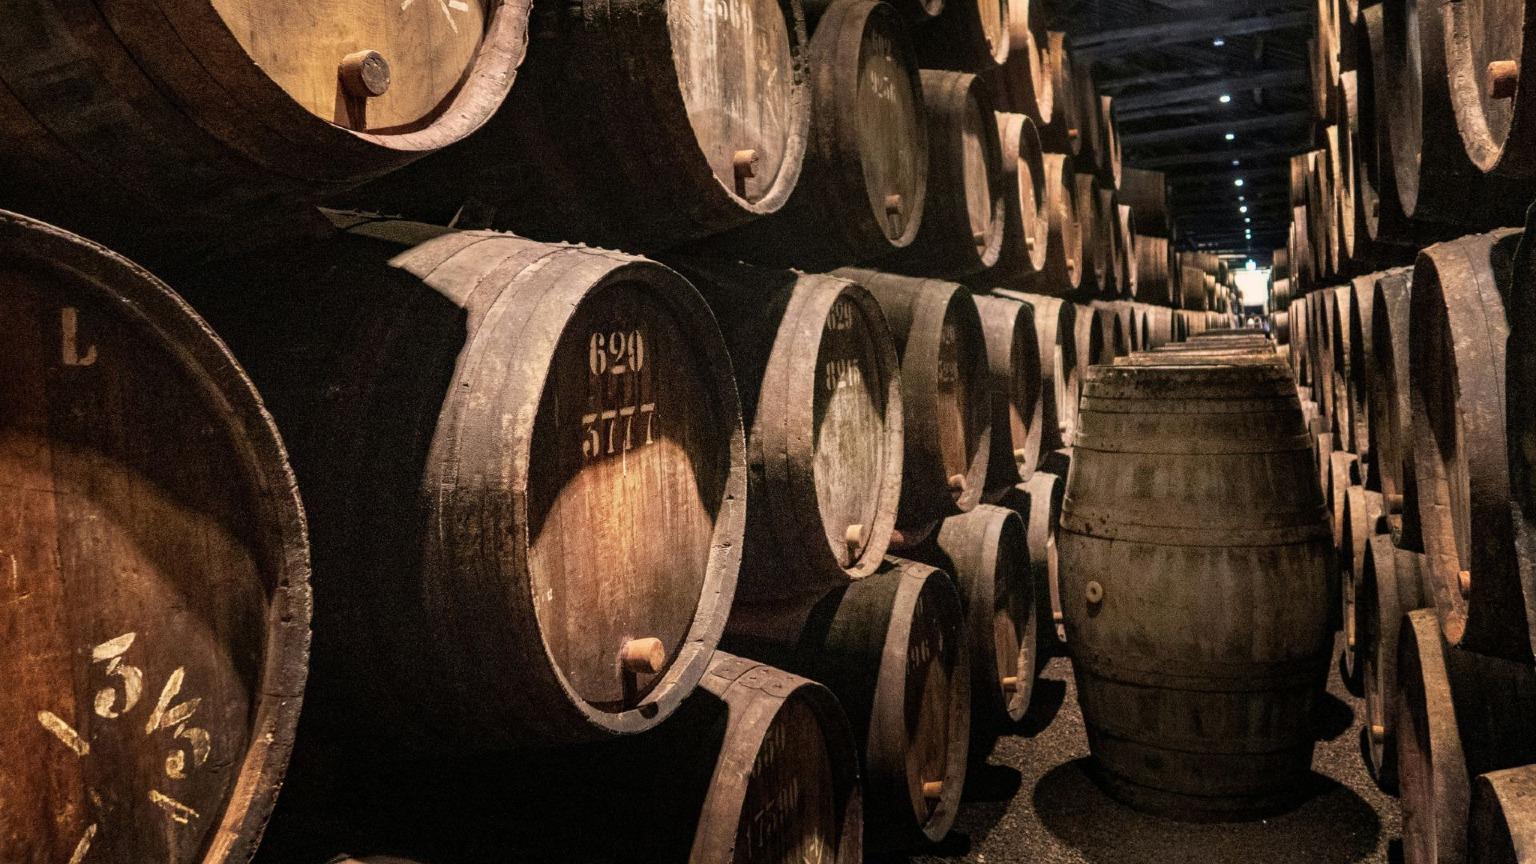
x=120, y=697
x=69, y=339
x=616, y=358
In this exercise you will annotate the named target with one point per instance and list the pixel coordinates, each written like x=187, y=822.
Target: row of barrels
x=1415, y=381
x=1422, y=132
x=523, y=491
x=783, y=133
x=1194, y=552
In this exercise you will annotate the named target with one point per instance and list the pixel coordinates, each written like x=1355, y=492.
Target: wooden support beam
x=1224, y=156
x=1132, y=105
x=1215, y=130
x=1158, y=35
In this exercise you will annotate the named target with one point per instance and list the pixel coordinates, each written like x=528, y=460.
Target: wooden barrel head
x=1432, y=773
x=1013, y=360
x=426, y=49
x=787, y=811
x=732, y=58
x=627, y=473
x=891, y=118
x=1502, y=826
x=1488, y=61
x=155, y=570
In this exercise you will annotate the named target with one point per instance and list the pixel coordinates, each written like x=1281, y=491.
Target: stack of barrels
x=482, y=493
x=1407, y=309
x=1194, y=557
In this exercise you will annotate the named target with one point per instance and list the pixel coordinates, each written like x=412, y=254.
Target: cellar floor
x=1034, y=803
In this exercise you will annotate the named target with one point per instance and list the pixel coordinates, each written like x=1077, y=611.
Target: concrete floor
x=1034, y=803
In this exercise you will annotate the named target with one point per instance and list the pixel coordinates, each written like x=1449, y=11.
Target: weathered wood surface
x=154, y=567
x=1027, y=230
x=1491, y=66
x=1025, y=77
x=864, y=182
x=966, y=209
x=815, y=364
x=891, y=647
x=1062, y=134
x=1459, y=715
x=525, y=474
x=206, y=116
x=1013, y=361
x=1390, y=588
x=946, y=393
x=1363, y=520
x=1063, y=270
x=1502, y=826
x=1457, y=336
x=1391, y=435
x=637, y=125
x=1055, y=337
x=1194, y=558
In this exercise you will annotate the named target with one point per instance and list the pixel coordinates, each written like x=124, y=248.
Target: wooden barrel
x=1343, y=473
x=1063, y=271
x=1061, y=134
x=1502, y=824
x=199, y=115
x=1055, y=337
x=1191, y=586
x=864, y=182
x=1090, y=138
x=1127, y=270
x=1114, y=324
x=1025, y=78
x=637, y=127
x=1013, y=360
x=1097, y=237
x=759, y=765
x=1456, y=338
x=1459, y=715
x=1146, y=193
x=1341, y=302
x=1391, y=436
x=891, y=648
x=1045, y=492
x=485, y=428
x=1362, y=308
x=966, y=209
x=815, y=364
x=945, y=387
x=1390, y=588
x=967, y=36
x=1108, y=149
x=1027, y=229
x=1436, y=181
x=987, y=551
x=1363, y=520
x=1488, y=56
x=156, y=592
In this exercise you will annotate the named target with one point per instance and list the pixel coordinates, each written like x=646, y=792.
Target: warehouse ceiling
x=1210, y=92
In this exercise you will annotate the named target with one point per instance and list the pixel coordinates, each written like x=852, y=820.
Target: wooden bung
x=156, y=569
x=440, y=354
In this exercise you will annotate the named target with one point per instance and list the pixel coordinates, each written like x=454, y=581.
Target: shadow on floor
x=1334, y=826
x=1331, y=718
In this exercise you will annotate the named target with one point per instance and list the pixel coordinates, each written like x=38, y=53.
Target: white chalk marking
x=178, y=811
x=112, y=647
x=64, y=732
x=84, y=845
x=69, y=320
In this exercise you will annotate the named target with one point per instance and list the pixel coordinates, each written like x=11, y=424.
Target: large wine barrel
x=1108, y=149
x=891, y=647
x=1362, y=308
x=1114, y=320
x=1192, y=586
x=1097, y=234
x=1502, y=824
x=1459, y=715
x=967, y=36
x=1045, y=492
x=1489, y=58
x=200, y=115
x=1061, y=134
x=635, y=126
x=1436, y=181
x=1340, y=303
x=1152, y=280
x=1362, y=519
x=1389, y=589
x=864, y=182
x=1457, y=334
x=1146, y=193
x=966, y=208
x=815, y=364
x=1391, y=422
x=946, y=396
x=759, y=765
x=1127, y=271
x=1063, y=271
x=987, y=551
x=524, y=470
x=1025, y=78
x=1013, y=360
x=1055, y=337
x=156, y=593
x=1027, y=230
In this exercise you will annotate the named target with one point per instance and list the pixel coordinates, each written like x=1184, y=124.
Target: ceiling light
x=1224, y=98
x=1231, y=136
x=1236, y=162
x=1243, y=209
x=1247, y=219
x=1218, y=42
x=1237, y=182
x=1242, y=197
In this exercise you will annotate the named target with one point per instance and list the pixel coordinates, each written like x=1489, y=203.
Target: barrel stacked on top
x=542, y=481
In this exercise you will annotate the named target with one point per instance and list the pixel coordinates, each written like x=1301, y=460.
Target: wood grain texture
x=1024, y=79
x=1065, y=249
x=1498, y=129
x=154, y=594
x=891, y=647
x=1503, y=815
x=517, y=457
x=1391, y=587
x=1391, y=436
x=946, y=393
x=1062, y=133
x=815, y=364
x=1055, y=329
x=864, y=184
x=1028, y=215
x=180, y=109
x=1194, y=557
x=963, y=219
x=1456, y=345
x=1013, y=359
